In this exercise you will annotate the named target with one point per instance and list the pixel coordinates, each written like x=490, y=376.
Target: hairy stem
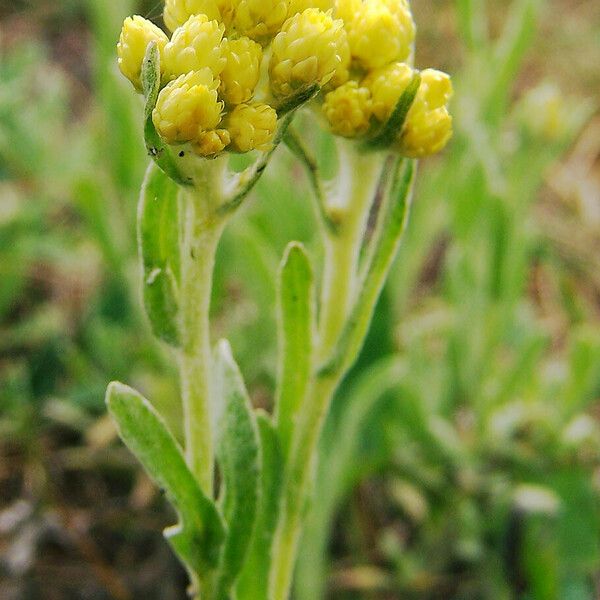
x=201, y=235
x=350, y=204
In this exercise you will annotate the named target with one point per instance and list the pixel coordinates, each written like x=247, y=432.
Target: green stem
x=350, y=205
x=201, y=235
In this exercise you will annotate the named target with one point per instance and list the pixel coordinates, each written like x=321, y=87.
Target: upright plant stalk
x=199, y=246
x=349, y=206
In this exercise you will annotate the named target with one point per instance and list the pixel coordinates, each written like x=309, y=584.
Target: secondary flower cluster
x=380, y=35
x=228, y=63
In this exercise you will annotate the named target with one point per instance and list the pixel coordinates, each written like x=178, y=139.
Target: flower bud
x=379, y=35
x=387, y=85
x=242, y=70
x=211, y=143
x=311, y=48
x=428, y=124
x=298, y=6
x=194, y=46
x=177, y=12
x=252, y=127
x=348, y=110
x=260, y=19
x=187, y=107
x=136, y=34
x=347, y=9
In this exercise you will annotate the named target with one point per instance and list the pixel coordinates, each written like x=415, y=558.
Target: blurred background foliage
x=462, y=457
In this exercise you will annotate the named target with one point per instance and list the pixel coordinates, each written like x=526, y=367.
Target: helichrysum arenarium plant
x=229, y=80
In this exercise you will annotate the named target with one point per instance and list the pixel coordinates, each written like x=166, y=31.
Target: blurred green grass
x=461, y=459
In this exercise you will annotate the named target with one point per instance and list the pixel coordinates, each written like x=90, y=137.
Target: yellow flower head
x=211, y=143
x=188, y=107
x=311, y=48
x=177, y=12
x=387, y=85
x=348, y=110
x=378, y=36
x=347, y=9
x=428, y=125
x=194, y=46
x=242, y=70
x=260, y=19
x=252, y=127
x=298, y=6
x=136, y=34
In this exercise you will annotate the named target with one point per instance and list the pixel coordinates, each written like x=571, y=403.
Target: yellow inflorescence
x=136, y=34
x=188, y=107
x=377, y=36
x=252, y=127
x=311, y=48
x=298, y=6
x=211, y=143
x=429, y=124
x=381, y=34
x=260, y=19
x=229, y=62
x=387, y=85
x=177, y=12
x=348, y=110
x=194, y=46
x=242, y=71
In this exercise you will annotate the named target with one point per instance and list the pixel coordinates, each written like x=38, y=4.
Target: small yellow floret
x=136, y=34
x=387, y=85
x=377, y=35
x=428, y=126
x=194, y=46
x=252, y=127
x=188, y=107
x=298, y=6
x=177, y=12
x=260, y=19
x=312, y=47
x=242, y=70
x=348, y=110
x=347, y=9
x=211, y=143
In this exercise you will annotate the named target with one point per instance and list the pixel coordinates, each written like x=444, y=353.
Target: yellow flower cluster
x=228, y=63
x=380, y=36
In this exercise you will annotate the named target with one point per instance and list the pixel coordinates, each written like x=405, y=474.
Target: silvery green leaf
x=296, y=322
x=253, y=583
x=391, y=225
x=239, y=461
x=159, y=241
x=199, y=536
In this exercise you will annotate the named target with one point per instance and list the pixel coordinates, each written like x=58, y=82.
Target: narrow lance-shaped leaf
x=199, y=536
x=160, y=152
x=389, y=236
x=296, y=317
x=158, y=235
x=254, y=579
x=238, y=456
